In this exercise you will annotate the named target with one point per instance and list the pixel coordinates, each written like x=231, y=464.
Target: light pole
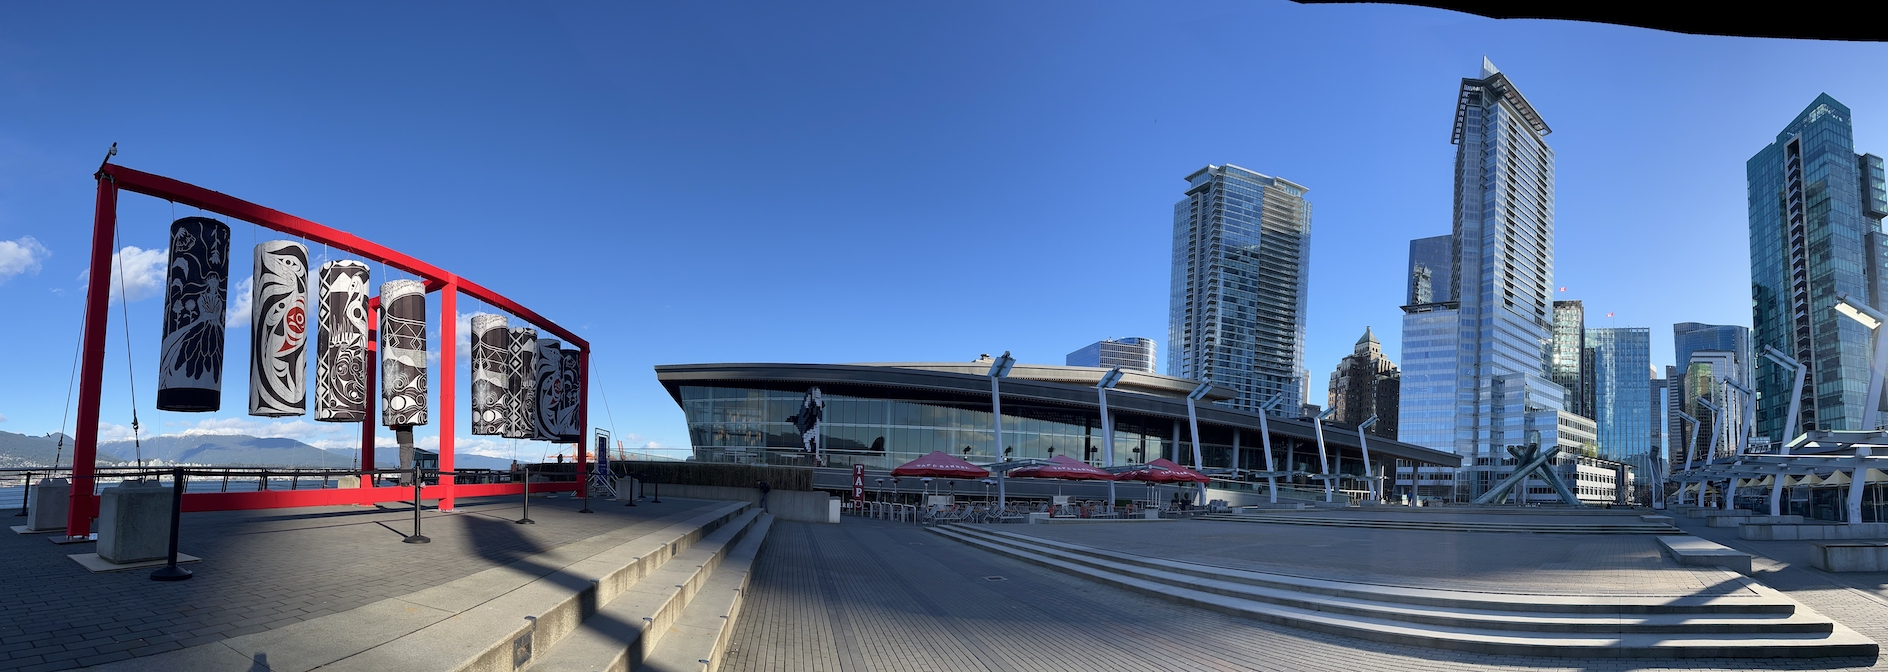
x=1717, y=428
x=1107, y=428
x=1324, y=464
x=1872, y=319
x=1265, y=442
x=1370, y=484
x=1789, y=424
x=1193, y=425
x=998, y=370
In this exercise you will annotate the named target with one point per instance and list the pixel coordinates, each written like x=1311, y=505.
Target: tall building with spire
x=1366, y=384
x=1477, y=367
x=1241, y=273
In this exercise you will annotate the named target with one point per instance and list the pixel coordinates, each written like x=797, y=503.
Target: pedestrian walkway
x=869, y=595
x=264, y=570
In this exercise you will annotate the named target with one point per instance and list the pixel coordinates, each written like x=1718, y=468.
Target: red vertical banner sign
x=858, y=485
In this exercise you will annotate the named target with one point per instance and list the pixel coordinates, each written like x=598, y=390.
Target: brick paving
x=266, y=569
x=1542, y=564
x=872, y=595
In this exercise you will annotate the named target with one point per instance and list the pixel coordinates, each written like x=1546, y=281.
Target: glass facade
x=1622, y=376
x=1812, y=202
x=1241, y=264
x=1572, y=362
x=1131, y=354
x=882, y=432
x=1431, y=270
x=1496, y=364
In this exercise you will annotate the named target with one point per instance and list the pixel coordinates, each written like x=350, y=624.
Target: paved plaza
x=263, y=570
x=872, y=595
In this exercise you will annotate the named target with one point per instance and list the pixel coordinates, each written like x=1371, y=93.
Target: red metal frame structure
x=112, y=178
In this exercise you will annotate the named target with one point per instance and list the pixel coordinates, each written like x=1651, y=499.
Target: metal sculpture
x=550, y=392
x=571, y=379
x=341, y=344
x=403, y=353
x=1530, y=461
x=278, y=337
x=190, y=374
x=489, y=392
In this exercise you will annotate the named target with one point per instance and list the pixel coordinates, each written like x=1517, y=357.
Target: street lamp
x=1324, y=463
x=1370, y=483
x=1872, y=319
x=1108, y=381
x=1790, y=424
x=1193, y=425
x=998, y=370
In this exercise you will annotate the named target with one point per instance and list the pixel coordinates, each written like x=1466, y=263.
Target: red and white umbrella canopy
x=1063, y=467
x=1162, y=471
x=940, y=465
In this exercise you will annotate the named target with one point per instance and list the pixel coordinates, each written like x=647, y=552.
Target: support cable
x=124, y=311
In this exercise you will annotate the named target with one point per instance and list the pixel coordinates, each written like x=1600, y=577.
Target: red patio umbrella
x=941, y=465
x=1182, y=474
x=1063, y=467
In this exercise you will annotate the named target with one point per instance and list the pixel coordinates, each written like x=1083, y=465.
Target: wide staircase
x=1748, y=621
x=1624, y=525
x=663, y=601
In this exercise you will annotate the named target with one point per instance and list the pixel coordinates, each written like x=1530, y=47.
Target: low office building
x=882, y=415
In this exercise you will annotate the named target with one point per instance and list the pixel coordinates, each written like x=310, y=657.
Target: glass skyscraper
x=1815, y=222
x=1622, y=394
x=1241, y=264
x=1431, y=270
x=1572, y=364
x=1131, y=354
x=1485, y=384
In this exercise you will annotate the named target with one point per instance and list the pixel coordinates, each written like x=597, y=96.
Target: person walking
x=764, y=489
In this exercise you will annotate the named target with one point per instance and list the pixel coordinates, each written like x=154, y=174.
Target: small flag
x=1563, y=289
x=1609, y=314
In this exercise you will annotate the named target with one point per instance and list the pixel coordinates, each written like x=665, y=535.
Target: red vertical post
x=583, y=422
x=370, y=369
x=448, y=385
x=83, y=505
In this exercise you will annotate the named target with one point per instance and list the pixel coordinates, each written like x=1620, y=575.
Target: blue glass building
x=1494, y=365
x=1131, y=354
x=1241, y=264
x=1622, y=394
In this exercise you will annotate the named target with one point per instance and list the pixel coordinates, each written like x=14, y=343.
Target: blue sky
x=847, y=182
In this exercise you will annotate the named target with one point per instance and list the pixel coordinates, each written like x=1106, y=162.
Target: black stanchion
x=25, y=495
x=171, y=572
x=416, y=537
x=525, y=518
x=658, y=497
x=583, y=485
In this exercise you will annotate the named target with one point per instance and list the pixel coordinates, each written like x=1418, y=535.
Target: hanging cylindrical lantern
x=521, y=382
x=278, y=330
x=570, y=373
x=190, y=373
x=403, y=353
x=341, y=343
x=490, y=353
x=550, y=399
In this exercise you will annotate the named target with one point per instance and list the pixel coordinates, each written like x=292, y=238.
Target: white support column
x=1265, y=442
x=1858, y=482
x=1324, y=463
x=1789, y=424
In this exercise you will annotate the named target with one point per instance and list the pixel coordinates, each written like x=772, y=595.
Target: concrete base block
x=1734, y=521
x=348, y=482
x=1689, y=550
x=47, y=509
x=1657, y=519
x=1784, y=532
x=91, y=562
x=1713, y=513
x=134, y=522
x=1850, y=556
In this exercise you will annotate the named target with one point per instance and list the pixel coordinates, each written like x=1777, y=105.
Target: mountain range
x=20, y=450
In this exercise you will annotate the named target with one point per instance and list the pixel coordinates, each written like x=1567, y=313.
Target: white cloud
x=239, y=297
x=111, y=432
x=143, y=273
x=21, y=256
x=3, y=418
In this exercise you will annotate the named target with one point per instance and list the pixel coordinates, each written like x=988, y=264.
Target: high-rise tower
x=1366, y=384
x=1241, y=265
x=1476, y=368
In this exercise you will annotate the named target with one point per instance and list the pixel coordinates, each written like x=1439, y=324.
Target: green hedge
x=727, y=475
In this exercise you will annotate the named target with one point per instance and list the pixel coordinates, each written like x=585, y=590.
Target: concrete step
x=490, y=631
x=1639, y=527
x=1625, y=632
x=624, y=633
x=699, y=638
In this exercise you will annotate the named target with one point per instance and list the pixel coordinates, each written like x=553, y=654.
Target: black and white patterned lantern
x=403, y=353
x=278, y=336
x=550, y=398
x=341, y=344
x=521, y=383
x=190, y=374
x=491, y=352
x=570, y=372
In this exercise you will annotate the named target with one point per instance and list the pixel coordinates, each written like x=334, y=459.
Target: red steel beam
x=111, y=178
x=284, y=499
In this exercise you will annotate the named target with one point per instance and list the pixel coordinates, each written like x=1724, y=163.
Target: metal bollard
x=525, y=517
x=583, y=485
x=416, y=537
x=171, y=572
x=25, y=495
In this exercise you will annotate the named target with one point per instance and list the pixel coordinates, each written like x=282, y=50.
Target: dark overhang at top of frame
x=973, y=387
x=1701, y=19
